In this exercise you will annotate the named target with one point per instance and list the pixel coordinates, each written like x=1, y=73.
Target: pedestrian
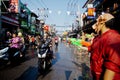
x=21, y=43
x=105, y=50
x=8, y=36
x=32, y=40
x=56, y=40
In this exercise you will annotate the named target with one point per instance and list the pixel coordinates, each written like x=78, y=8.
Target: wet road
x=67, y=66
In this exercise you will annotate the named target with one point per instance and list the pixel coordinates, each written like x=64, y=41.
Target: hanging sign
x=90, y=12
x=13, y=6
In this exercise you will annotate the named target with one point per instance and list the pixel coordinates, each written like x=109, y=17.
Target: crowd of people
x=16, y=40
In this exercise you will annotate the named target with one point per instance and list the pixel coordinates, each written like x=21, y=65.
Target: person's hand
x=50, y=45
x=10, y=44
x=84, y=48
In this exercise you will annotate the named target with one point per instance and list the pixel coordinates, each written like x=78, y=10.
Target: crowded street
x=66, y=66
x=59, y=39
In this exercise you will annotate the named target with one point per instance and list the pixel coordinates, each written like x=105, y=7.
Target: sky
x=57, y=10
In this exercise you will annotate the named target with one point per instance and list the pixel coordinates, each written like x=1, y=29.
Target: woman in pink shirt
x=14, y=46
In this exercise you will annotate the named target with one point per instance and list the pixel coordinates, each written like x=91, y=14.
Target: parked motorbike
x=44, y=56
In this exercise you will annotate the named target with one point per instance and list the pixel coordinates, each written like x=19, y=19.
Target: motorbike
x=56, y=43
x=4, y=56
x=17, y=58
x=44, y=56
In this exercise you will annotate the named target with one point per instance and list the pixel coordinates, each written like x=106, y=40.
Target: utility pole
x=79, y=16
x=79, y=20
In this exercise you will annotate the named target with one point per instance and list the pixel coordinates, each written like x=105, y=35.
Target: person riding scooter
x=14, y=46
x=21, y=43
x=47, y=38
x=56, y=42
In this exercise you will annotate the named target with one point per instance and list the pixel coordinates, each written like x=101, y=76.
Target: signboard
x=90, y=6
x=14, y=6
x=46, y=27
x=24, y=24
x=91, y=11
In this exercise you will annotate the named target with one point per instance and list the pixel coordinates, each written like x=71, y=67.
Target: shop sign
x=46, y=27
x=91, y=11
x=24, y=23
x=90, y=6
x=14, y=6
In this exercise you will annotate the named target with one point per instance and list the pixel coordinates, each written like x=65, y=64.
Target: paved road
x=67, y=66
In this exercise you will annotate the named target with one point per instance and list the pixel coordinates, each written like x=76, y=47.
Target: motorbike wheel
x=3, y=63
x=44, y=65
x=49, y=64
x=41, y=66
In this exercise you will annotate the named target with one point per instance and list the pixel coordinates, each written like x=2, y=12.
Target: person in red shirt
x=105, y=50
x=56, y=41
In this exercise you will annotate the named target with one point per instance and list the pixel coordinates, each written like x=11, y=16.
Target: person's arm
x=84, y=48
x=109, y=75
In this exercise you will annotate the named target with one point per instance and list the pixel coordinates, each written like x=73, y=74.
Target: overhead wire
x=32, y=3
x=4, y=5
x=44, y=4
x=68, y=5
x=45, y=8
x=38, y=1
x=75, y=7
x=71, y=6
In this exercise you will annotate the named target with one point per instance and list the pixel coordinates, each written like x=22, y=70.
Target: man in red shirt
x=105, y=50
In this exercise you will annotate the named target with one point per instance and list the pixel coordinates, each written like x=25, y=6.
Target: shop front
x=9, y=23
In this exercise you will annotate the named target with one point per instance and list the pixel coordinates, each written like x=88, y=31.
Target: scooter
x=44, y=57
x=19, y=56
x=4, y=56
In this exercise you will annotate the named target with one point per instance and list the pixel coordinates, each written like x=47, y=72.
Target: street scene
x=66, y=66
x=59, y=40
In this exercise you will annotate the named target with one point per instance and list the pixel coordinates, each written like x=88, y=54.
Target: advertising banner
x=91, y=11
x=14, y=6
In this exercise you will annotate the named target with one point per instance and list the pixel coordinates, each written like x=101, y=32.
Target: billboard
x=14, y=6
x=90, y=11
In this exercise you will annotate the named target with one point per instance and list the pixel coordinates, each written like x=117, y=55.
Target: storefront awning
x=9, y=20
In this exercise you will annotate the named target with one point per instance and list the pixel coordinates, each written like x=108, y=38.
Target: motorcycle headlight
x=39, y=56
x=42, y=53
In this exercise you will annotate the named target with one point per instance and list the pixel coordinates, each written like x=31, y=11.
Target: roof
x=34, y=14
